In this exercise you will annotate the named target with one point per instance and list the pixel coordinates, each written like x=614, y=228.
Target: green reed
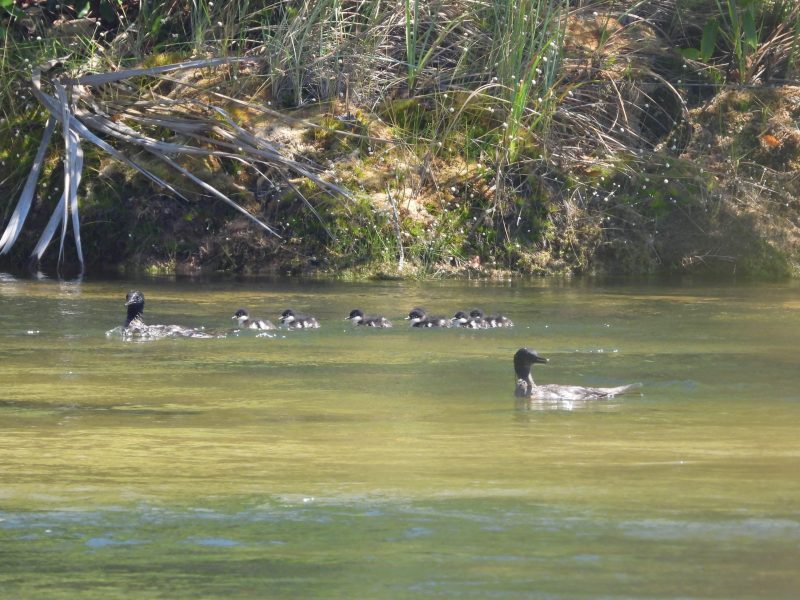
x=525, y=56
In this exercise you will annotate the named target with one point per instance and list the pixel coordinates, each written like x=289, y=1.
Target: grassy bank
x=414, y=139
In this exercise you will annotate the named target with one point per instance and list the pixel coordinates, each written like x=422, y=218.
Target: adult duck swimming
x=524, y=359
x=136, y=328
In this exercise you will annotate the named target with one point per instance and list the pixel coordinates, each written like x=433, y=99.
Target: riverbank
x=695, y=212
x=611, y=144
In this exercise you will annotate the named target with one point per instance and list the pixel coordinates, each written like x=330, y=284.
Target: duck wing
x=138, y=330
x=578, y=392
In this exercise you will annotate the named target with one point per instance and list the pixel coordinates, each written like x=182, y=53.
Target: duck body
x=420, y=318
x=491, y=320
x=462, y=319
x=554, y=392
x=295, y=320
x=524, y=359
x=139, y=330
x=245, y=322
x=358, y=317
x=136, y=328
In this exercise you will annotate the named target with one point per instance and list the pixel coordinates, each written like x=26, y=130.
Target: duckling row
x=290, y=318
x=476, y=319
x=418, y=317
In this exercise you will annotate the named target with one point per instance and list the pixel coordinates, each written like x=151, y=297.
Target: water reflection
x=531, y=404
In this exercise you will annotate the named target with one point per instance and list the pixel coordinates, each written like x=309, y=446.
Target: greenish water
x=353, y=463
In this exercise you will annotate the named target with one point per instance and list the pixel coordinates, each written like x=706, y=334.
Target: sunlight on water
x=352, y=462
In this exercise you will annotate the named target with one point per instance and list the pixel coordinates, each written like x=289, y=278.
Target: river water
x=353, y=463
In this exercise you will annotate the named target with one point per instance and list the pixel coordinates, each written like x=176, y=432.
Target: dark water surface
x=353, y=463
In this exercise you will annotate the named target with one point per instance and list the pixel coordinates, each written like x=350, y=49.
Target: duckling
x=358, y=317
x=462, y=319
x=245, y=322
x=491, y=320
x=135, y=327
x=419, y=318
x=294, y=320
x=524, y=359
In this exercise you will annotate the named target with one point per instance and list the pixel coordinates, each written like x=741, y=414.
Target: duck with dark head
x=135, y=327
x=524, y=359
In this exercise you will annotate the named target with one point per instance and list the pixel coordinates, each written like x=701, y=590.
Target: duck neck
x=134, y=312
x=525, y=382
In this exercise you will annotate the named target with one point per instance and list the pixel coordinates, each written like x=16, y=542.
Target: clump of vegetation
x=416, y=138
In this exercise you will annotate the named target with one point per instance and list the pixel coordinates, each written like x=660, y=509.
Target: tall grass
x=743, y=41
x=527, y=39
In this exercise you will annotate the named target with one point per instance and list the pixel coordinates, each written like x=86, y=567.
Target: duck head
x=524, y=359
x=416, y=315
x=460, y=318
x=356, y=315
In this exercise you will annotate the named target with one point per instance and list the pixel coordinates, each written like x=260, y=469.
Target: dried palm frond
x=17, y=220
x=91, y=108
